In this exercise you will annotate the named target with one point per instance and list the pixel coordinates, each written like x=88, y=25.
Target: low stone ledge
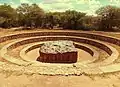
x=53, y=38
x=105, y=38
x=36, y=39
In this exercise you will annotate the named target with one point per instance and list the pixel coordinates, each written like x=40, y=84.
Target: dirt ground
x=35, y=80
x=58, y=81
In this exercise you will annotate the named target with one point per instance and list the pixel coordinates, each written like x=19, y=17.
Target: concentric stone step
x=88, y=67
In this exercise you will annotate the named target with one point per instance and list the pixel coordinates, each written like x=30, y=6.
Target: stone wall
x=87, y=49
x=78, y=34
x=79, y=40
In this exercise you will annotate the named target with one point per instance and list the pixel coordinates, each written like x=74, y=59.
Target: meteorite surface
x=55, y=47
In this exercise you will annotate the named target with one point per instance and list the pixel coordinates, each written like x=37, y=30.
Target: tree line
x=32, y=16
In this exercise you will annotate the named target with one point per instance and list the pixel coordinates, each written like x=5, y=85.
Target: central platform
x=61, y=51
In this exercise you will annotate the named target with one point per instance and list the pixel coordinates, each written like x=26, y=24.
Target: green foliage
x=90, y=22
x=66, y=20
x=7, y=16
x=7, y=11
x=48, y=21
x=32, y=16
x=110, y=17
x=72, y=19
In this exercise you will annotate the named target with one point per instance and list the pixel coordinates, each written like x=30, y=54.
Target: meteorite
x=61, y=51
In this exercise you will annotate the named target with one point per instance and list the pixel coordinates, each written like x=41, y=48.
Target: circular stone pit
x=96, y=40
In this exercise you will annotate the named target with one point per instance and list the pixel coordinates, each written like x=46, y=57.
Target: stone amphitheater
x=16, y=50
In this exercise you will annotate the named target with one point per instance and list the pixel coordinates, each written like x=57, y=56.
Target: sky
x=87, y=6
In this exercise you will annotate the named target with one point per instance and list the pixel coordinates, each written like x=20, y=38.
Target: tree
x=67, y=20
x=30, y=15
x=109, y=17
x=72, y=19
x=8, y=16
x=52, y=19
x=90, y=22
x=48, y=21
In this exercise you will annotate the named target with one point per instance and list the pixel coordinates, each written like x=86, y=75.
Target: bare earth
x=15, y=80
x=58, y=81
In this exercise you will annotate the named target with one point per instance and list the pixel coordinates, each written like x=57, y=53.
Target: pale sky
x=88, y=6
